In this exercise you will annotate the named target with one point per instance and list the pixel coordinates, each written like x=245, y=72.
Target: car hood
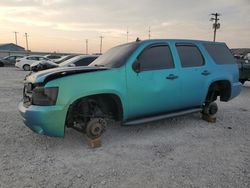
x=45, y=76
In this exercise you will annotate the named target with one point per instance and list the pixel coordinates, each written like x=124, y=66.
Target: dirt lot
x=179, y=152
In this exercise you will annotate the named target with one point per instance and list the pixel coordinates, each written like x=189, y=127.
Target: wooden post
x=94, y=143
x=208, y=118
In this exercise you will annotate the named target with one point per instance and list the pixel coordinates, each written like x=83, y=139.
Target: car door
x=31, y=60
x=155, y=88
x=194, y=73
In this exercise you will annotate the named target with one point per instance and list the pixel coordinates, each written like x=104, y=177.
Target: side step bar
x=164, y=116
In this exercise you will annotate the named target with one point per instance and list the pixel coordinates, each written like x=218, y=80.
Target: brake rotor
x=95, y=128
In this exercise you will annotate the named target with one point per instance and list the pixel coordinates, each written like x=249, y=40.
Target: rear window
x=220, y=53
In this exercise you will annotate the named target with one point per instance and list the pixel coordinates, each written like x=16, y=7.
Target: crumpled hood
x=45, y=76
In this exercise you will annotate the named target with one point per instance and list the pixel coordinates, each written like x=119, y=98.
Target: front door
x=155, y=88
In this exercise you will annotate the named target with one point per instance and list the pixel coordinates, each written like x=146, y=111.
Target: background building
x=11, y=47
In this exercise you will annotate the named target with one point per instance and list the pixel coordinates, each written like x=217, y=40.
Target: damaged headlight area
x=44, y=96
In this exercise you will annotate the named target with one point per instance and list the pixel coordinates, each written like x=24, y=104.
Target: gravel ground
x=178, y=152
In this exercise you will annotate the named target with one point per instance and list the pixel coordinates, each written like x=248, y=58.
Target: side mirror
x=136, y=66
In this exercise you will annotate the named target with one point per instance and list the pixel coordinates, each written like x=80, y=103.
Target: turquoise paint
x=144, y=93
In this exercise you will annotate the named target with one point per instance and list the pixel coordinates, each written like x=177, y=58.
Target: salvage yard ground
x=178, y=152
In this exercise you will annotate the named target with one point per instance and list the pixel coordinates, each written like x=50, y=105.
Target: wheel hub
x=95, y=128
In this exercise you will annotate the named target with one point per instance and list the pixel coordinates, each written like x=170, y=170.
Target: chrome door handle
x=205, y=73
x=171, y=77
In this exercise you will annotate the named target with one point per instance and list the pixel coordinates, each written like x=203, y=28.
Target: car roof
x=176, y=41
x=83, y=56
x=35, y=56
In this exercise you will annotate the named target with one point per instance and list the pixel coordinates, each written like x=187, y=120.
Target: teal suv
x=132, y=83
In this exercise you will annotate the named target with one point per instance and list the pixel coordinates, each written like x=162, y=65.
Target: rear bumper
x=47, y=120
x=236, y=89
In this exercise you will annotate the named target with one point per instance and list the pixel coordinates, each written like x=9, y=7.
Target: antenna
x=87, y=46
x=127, y=34
x=149, y=32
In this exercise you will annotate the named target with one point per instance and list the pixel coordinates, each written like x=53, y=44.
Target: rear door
x=194, y=73
x=156, y=88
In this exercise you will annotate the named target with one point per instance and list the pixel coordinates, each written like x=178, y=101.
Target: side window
x=11, y=58
x=85, y=61
x=220, y=53
x=190, y=55
x=31, y=58
x=156, y=57
x=41, y=58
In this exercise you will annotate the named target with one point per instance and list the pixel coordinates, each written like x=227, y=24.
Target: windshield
x=115, y=57
x=69, y=61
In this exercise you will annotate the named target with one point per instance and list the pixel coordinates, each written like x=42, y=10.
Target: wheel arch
x=109, y=101
x=221, y=88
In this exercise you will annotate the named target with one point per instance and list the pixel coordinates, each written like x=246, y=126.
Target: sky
x=64, y=25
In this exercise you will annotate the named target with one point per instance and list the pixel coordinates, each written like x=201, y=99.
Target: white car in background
x=53, y=57
x=25, y=62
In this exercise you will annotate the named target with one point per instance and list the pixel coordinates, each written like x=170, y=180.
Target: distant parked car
x=10, y=60
x=64, y=58
x=25, y=62
x=53, y=57
x=244, y=68
x=80, y=60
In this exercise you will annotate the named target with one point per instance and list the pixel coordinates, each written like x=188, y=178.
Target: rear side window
x=156, y=57
x=85, y=61
x=190, y=55
x=220, y=53
x=33, y=58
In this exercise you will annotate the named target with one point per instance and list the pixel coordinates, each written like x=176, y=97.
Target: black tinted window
x=190, y=55
x=53, y=57
x=156, y=57
x=220, y=53
x=11, y=58
x=117, y=56
x=33, y=58
x=84, y=61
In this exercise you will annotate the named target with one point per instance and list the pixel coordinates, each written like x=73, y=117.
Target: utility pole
x=216, y=24
x=101, y=37
x=149, y=32
x=15, y=36
x=27, y=44
x=127, y=34
x=87, y=47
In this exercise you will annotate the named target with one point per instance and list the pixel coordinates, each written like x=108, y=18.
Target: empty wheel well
x=107, y=106
x=220, y=88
